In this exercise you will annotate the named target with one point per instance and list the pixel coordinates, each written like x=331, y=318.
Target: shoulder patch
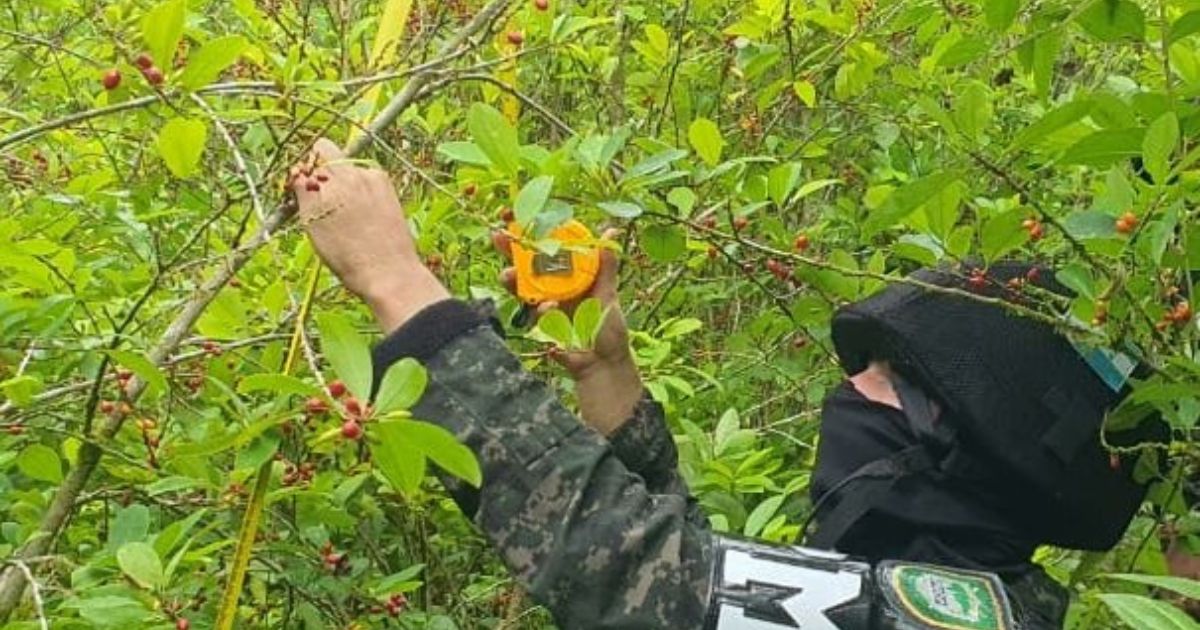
x=946, y=598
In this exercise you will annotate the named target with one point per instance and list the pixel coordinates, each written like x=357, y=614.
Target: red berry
x=182, y=624
x=470, y=190
x=516, y=38
x=353, y=407
x=1182, y=313
x=153, y=75
x=144, y=61
x=978, y=280
x=124, y=375
x=802, y=243
x=352, y=430
x=740, y=223
x=1036, y=232
x=337, y=389
x=712, y=251
x=541, y=5
x=312, y=186
x=316, y=406
x=107, y=406
x=800, y=341
x=507, y=215
x=1127, y=223
x=1033, y=275
x=111, y=79
x=710, y=222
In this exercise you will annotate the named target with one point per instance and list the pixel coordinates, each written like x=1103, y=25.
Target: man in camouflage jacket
x=592, y=517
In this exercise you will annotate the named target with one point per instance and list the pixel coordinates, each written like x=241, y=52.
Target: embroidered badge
x=950, y=599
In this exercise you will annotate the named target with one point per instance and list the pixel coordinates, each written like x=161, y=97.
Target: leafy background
x=169, y=456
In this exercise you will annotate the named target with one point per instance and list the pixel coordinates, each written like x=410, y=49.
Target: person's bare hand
x=607, y=381
x=356, y=224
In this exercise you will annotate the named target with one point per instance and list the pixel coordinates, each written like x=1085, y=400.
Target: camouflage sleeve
x=645, y=445
x=585, y=535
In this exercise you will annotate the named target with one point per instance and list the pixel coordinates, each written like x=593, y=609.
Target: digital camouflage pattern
x=603, y=532
x=578, y=527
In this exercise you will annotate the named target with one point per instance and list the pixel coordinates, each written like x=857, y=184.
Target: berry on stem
x=740, y=223
x=144, y=61
x=516, y=38
x=111, y=79
x=337, y=389
x=353, y=407
x=802, y=243
x=541, y=5
x=316, y=406
x=153, y=75
x=352, y=430
x=182, y=624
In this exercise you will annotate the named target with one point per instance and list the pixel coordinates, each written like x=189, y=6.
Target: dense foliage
x=769, y=160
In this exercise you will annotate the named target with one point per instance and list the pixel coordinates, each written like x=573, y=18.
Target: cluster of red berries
x=1127, y=223
x=1179, y=315
x=355, y=412
x=301, y=475
x=110, y=408
x=1035, y=229
x=396, y=604
x=111, y=79
x=211, y=348
x=334, y=562
x=306, y=173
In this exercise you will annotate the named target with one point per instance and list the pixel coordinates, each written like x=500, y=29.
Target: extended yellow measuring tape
x=565, y=276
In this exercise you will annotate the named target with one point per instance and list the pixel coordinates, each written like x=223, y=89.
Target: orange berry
x=802, y=243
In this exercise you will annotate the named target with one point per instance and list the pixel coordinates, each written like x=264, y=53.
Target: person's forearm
x=396, y=299
x=608, y=394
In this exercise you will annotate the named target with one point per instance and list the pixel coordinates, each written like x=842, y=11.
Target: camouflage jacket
x=603, y=532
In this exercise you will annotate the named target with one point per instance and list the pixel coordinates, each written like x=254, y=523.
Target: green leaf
x=1143, y=613
x=622, y=209
x=1114, y=20
x=207, y=64
x=465, y=152
x=1052, y=121
x=347, y=353
x=705, y=137
x=495, y=137
x=589, y=316
x=21, y=390
x=402, y=386
x=1187, y=24
x=809, y=188
x=162, y=28
x=156, y=383
x=277, y=383
x=663, y=243
x=1161, y=139
x=1183, y=586
x=181, y=145
x=1077, y=278
x=781, y=181
x=141, y=563
x=443, y=449
x=684, y=200
x=38, y=461
x=1002, y=234
x=974, y=110
x=964, y=52
x=555, y=327
x=1105, y=147
x=761, y=514
x=907, y=199
x=131, y=524
x=806, y=92
x=1000, y=13
x=532, y=199
x=397, y=456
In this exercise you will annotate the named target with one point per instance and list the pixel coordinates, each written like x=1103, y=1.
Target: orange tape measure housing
x=560, y=278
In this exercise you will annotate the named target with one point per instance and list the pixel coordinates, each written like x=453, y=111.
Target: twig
x=34, y=591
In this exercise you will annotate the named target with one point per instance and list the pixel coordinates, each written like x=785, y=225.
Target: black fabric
x=931, y=517
x=1018, y=392
x=430, y=329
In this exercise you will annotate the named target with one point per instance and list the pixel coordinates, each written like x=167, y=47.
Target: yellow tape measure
x=563, y=277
